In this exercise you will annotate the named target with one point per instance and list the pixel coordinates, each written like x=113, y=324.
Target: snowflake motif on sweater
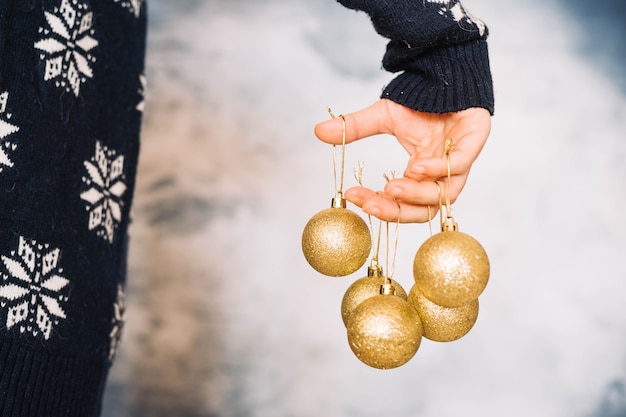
x=133, y=6
x=106, y=187
x=117, y=322
x=454, y=9
x=142, y=93
x=7, y=144
x=67, y=41
x=33, y=288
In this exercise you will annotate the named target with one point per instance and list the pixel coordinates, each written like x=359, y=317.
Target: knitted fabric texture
x=439, y=47
x=71, y=94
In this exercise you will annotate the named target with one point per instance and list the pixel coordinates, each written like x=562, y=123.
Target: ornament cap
x=387, y=289
x=450, y=225
x=338, y=202
x=374, y=270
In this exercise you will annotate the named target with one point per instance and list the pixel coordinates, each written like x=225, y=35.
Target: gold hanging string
x=396, y=239
x=387, y=277
x=358, y=175
x=380, y=227
x=395, y=243
x=440, y=204
x=448, y=145
x=378, y=237
x=430, y=223
x=339, y=190
x=430, y=217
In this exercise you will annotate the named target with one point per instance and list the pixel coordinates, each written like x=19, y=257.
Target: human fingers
x=359, y=195
x=384, y=207
x=459, y=161
x=469, y=132
x=369, y=121
x=429, y=192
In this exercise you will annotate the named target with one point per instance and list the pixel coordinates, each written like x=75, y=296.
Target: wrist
x=444, y=80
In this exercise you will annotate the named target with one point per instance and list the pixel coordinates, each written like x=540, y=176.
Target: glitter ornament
x=443, y=324
x=384, y=331
x=367, y=287
x=451, y=268
x=336, y=241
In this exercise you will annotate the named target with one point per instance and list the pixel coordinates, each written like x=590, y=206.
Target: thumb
x=369, y=121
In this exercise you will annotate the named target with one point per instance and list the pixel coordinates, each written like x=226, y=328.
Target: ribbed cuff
x=36, y=383
x=446, y=80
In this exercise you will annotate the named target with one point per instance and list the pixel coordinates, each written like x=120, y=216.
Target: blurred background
x=226, y=319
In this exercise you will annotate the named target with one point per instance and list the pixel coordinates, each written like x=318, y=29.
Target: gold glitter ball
x=336, y=242
x=362, y=289
x=443, y=324
x=451, y=268
x=384, y=331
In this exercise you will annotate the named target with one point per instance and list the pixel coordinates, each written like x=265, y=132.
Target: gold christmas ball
x=336, y=242
x=443, y=324
x=384, y=331
x=364, y=288
x=451, y=268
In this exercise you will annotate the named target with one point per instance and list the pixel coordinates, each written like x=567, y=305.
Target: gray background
x=226, y=319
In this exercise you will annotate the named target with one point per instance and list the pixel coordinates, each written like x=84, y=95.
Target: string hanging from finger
x=339, y=189
x=430, y=217
x=439, y=193
x=358, y=175
x=448, y=145
x=430, y=223
x=395, y=243
x=396, y=239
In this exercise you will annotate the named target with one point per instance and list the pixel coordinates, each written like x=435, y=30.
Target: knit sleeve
x=439, y=49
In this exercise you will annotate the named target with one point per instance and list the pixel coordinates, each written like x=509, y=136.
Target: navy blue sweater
x=71, y=95
x=440, y=50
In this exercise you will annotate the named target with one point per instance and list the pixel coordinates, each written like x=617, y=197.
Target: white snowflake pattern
x=106, y=187
x=33, y=288
x=67, y=40
x=117, y=322
x=142, y=92
x=133, y=6
x=459, y=13
x=7, y=145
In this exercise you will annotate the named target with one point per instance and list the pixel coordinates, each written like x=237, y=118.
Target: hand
x=423, y=136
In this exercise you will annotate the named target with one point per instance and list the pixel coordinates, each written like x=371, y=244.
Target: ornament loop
x=430, y=227
x=358, y=175
x=339, y=190
x=395, y=250
x=395, y=244
x=448, y=145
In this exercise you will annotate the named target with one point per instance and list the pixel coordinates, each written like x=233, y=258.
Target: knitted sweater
x=441, y=50
x=71, y=88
